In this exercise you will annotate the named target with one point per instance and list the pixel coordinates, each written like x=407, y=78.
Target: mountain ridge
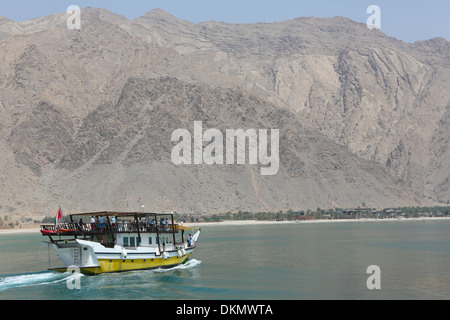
x=363, y=116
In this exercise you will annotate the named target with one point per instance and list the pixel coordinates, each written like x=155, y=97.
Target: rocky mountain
x=87, y=115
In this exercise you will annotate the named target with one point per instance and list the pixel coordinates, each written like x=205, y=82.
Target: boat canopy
x=106, y=230
x=121, y=214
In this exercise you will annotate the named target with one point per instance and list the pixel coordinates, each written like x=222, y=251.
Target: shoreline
x=258, y=222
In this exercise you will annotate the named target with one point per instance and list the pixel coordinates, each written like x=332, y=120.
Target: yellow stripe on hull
x=83, y=270
x=118, y=265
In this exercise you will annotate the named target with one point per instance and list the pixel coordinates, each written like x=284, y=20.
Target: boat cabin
x=127, y=229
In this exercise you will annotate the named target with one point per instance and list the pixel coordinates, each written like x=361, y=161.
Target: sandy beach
x=35, y=229
x=27, y=229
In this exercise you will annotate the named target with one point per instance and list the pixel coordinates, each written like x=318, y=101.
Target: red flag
x=58, y=215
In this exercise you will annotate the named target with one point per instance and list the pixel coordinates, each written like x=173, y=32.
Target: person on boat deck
x=81, y=222
x=113, y=221
x=190, y=239
x=92, y=223
x=152, y=223
x=100, y=221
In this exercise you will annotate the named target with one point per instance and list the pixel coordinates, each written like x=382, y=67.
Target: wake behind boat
x=100, y=242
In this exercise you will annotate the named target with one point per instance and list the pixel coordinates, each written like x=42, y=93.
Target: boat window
x=131, y=242
x=164, y=239
x=150, y=240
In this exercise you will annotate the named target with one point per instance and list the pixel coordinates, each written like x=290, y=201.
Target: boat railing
x=59, y=229
x=73, y=228
x=49, y=227
x=130, y=227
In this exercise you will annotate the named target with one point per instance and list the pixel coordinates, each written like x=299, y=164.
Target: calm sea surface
x=285, y=261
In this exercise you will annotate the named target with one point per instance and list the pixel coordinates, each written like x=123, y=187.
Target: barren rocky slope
x=86, y=116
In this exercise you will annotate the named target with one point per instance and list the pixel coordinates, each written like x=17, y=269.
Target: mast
x=76, y=226
x=157, y=233
x=173, y=230
x=137, y=227
x=111, y=228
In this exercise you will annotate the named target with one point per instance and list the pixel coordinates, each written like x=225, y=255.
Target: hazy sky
x=407, y=20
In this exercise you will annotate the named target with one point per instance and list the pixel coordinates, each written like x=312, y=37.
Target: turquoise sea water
x=258, y=262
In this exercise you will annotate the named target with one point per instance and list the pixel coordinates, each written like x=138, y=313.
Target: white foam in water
x=188, y=265
x=44, y=278
x=23, y=280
